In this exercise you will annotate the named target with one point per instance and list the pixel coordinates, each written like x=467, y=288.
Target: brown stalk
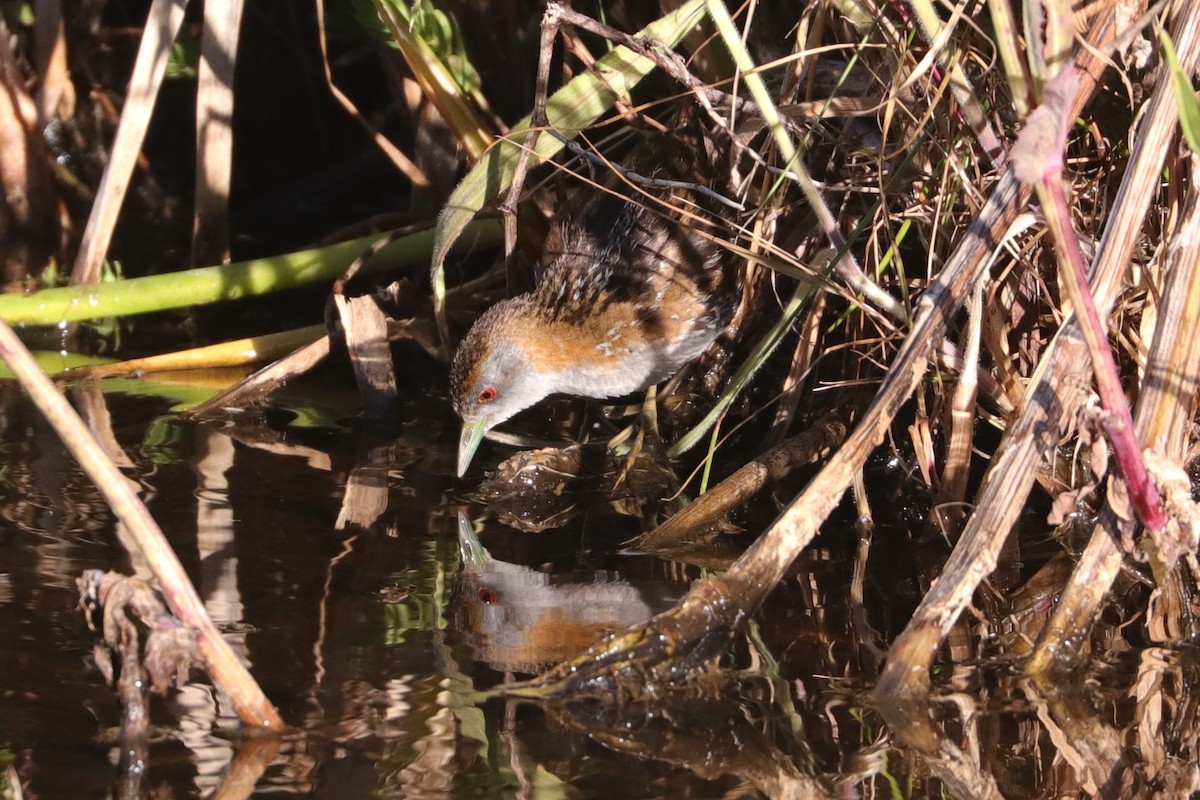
x=28, y=199
x=948, y=510
x=55, y=92
x=802, y=360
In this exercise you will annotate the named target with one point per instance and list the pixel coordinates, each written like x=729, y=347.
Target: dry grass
x=863, y=158
x=963, y=328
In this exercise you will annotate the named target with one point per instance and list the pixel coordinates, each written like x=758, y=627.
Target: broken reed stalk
x=227, y=672
x=806, y=448
x=1051, y=400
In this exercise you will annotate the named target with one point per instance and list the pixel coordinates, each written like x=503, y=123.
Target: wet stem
x=1118, y=422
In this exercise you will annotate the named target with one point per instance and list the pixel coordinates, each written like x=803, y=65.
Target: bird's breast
x=626, y=299
x=623, y=350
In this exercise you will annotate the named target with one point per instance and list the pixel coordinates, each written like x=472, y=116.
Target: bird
x=625, y=297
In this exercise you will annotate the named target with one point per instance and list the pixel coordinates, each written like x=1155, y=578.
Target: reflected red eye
x=488, y=394
x=488, y=596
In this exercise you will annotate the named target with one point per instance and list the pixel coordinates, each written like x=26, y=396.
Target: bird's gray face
x=491, y=379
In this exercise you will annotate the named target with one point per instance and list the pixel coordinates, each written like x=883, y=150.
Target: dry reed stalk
x=28, y=197
x=162, y=26
x=55, y=94
x=948, y=512
x=1165, y=412
x=214, y=130
x=223, y=665
x=805, y=448
x=1082, y=598
x=802, y=361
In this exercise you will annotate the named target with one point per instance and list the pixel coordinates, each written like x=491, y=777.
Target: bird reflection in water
x=520, y=619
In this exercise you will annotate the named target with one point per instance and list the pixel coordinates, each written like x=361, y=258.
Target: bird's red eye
x=488, y=394
x=488, y=596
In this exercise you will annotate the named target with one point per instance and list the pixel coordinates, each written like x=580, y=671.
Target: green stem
x=205, y=285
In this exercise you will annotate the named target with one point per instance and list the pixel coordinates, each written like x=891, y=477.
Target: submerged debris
x=140, y=647
x=535, y=490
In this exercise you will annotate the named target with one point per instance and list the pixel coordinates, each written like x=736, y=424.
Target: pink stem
x=1118, y=422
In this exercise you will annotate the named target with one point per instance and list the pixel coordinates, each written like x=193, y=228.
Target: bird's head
x=493, y=375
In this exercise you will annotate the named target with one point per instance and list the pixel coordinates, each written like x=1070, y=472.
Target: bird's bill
x=468, y=443
x=474, y=557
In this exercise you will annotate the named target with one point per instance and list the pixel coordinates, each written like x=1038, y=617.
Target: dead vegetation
x=968, y=242
x=965, y=265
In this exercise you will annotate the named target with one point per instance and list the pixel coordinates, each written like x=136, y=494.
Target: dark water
x=375, y=639
x=365, y=637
